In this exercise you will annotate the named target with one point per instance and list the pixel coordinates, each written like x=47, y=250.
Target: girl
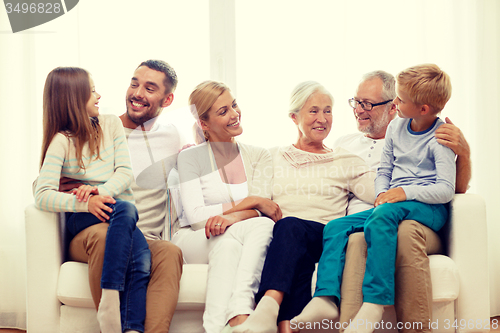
x=81, y=144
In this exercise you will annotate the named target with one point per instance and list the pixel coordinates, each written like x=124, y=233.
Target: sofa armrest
x=44, y=256
x=468, y=247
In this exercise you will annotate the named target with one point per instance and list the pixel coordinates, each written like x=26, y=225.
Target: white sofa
x=59, y=299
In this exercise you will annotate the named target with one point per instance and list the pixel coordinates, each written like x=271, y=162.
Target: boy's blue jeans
x=380, y=226
x=127, y=260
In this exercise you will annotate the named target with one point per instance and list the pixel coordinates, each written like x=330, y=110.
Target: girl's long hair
x=65, y=97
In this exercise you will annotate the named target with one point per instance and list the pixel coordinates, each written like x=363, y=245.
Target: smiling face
x=314, y=120
x=374, y=122
x=92, y=104
x=146, y=96
x=223, y=122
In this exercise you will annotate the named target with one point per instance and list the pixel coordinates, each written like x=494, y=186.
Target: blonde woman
x=225, y=191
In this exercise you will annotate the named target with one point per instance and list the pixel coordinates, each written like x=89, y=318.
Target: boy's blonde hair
x=426, y=84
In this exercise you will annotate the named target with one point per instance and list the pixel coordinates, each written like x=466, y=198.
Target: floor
x=495, y=327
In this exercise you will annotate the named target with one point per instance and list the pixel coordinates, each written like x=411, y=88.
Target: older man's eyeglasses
x=367, y=106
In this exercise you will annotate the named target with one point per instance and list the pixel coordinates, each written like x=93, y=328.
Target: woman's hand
x=84, y=191
x=266, y=206
x=393, y=195
x=269, y=208
x=97, y=206
x=217, y=225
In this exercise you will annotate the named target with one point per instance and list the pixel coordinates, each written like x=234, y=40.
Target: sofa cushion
x=444, y=277
x=73, y=285
x=193, y=287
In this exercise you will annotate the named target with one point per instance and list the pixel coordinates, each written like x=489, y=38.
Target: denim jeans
x=380, y=225
x=127, y=260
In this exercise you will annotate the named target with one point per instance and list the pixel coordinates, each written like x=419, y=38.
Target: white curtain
x=277, y=45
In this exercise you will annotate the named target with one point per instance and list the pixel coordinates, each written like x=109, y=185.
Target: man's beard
x=140, y=120
x=375, y=128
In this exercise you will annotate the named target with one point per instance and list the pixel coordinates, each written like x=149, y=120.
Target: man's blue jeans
x=380, y=225
x=127, y=260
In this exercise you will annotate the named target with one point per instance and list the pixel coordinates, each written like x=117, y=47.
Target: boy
x=415, y=180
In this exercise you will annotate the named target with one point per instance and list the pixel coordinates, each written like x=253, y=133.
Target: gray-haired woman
x=311, y=185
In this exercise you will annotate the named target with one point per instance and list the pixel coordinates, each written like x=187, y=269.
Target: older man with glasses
x=373, y=109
